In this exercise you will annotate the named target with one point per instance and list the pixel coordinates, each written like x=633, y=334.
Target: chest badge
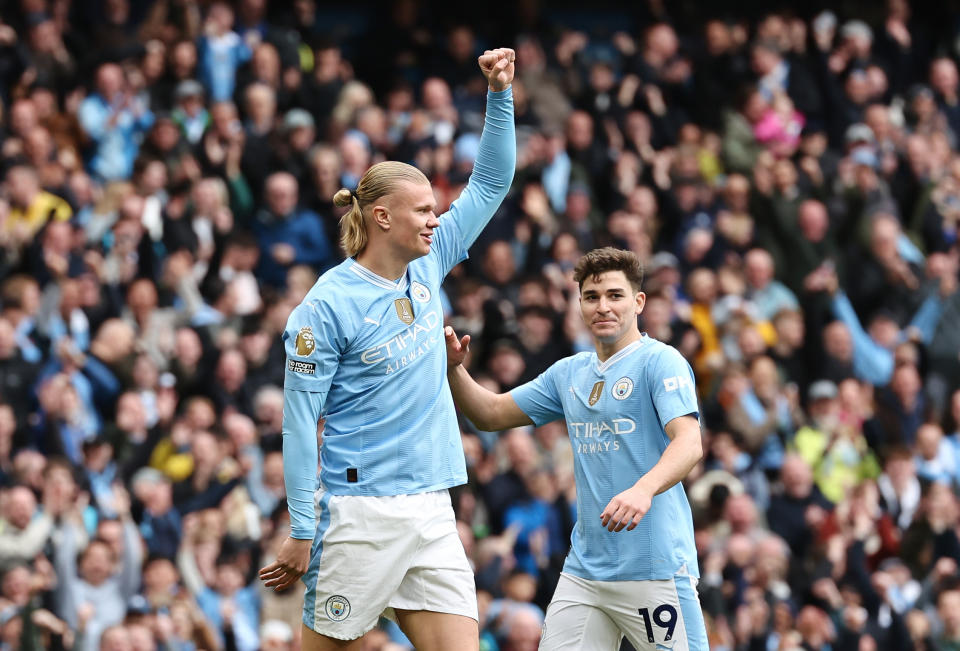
x=596, y=392
x=305, y=341
x=622, y=388
x=420, y=292
x=404, y=310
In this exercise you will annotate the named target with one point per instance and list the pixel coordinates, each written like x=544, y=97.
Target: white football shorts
x=587, y=615
x=371, y=554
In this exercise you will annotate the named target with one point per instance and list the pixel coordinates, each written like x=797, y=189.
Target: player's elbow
x=693, y=444
x=696, y=448
x=488, y=422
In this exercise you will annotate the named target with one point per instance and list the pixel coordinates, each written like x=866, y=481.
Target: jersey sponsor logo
x=599, y=437
x=404, y=310
x=616, y=426
x=295, y=365
x=622, y=388
x=409, y=345
x=596, y=392
x=305, y=341
x=676, y=382
x=337, y=608
x=419, y=292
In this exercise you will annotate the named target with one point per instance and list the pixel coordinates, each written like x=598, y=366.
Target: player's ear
x=641, y=301
x=381, y=217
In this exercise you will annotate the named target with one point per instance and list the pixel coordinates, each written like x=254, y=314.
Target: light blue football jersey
x=368, y=355
x=615, y=413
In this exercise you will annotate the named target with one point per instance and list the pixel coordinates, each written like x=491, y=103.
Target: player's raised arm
x=487, y=410
x=497, y=155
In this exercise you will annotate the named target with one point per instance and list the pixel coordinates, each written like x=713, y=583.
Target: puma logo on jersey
x=676, y=382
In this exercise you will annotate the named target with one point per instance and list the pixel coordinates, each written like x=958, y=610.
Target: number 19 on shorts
x=664, y=616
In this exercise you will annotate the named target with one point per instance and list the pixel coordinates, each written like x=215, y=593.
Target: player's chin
x=601, y=330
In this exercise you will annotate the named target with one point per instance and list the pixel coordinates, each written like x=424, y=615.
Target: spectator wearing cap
x=113, y=119
x=221, y=52
x=837, y=452
x=190, y=114
x=293, y=155
x=288, y=234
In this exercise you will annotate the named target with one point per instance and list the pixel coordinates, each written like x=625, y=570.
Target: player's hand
x=457, y=349
x=498, y=67
x=627, y=508
x=292, y=561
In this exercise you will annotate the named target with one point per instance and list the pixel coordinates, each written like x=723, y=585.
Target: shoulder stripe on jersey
x=620, y=354
x=379, y=281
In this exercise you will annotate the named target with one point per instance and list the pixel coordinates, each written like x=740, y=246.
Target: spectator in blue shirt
x=113, y=119
x=222, y=51
x=288, y=235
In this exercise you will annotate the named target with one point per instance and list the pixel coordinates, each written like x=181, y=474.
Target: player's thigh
x=313, y=641
x=575, y=620
x=433, y=631
x=361, y=553
x=658, y=614
x=439, y=578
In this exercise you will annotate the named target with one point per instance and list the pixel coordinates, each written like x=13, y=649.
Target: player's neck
x=380, y=261
x=606, y=350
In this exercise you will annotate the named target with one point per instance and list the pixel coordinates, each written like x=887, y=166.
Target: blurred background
x=788, y=173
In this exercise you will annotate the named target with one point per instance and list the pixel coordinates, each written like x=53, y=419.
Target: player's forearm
x=497, y=152
x=482, y=406
x=676, y=462
x=476, y=402
x=301, y=412
x=493, y=168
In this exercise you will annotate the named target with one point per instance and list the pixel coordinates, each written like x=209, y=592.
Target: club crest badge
x=622, y=388
x=305, y=341
x=419, y=292
x=404, y=310
x=596, y=392
x=337, y=608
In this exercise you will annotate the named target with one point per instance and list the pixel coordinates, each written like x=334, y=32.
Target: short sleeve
x=312, y=342
x=672, y=386
x=539, y=398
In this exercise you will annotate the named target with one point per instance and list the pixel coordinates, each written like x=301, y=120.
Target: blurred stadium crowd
x=790, y=178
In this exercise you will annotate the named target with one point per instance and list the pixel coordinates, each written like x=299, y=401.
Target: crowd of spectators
x=791, y=180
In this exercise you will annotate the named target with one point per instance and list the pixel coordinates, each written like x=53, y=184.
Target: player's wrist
x=643, y=484
x=498, y=90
